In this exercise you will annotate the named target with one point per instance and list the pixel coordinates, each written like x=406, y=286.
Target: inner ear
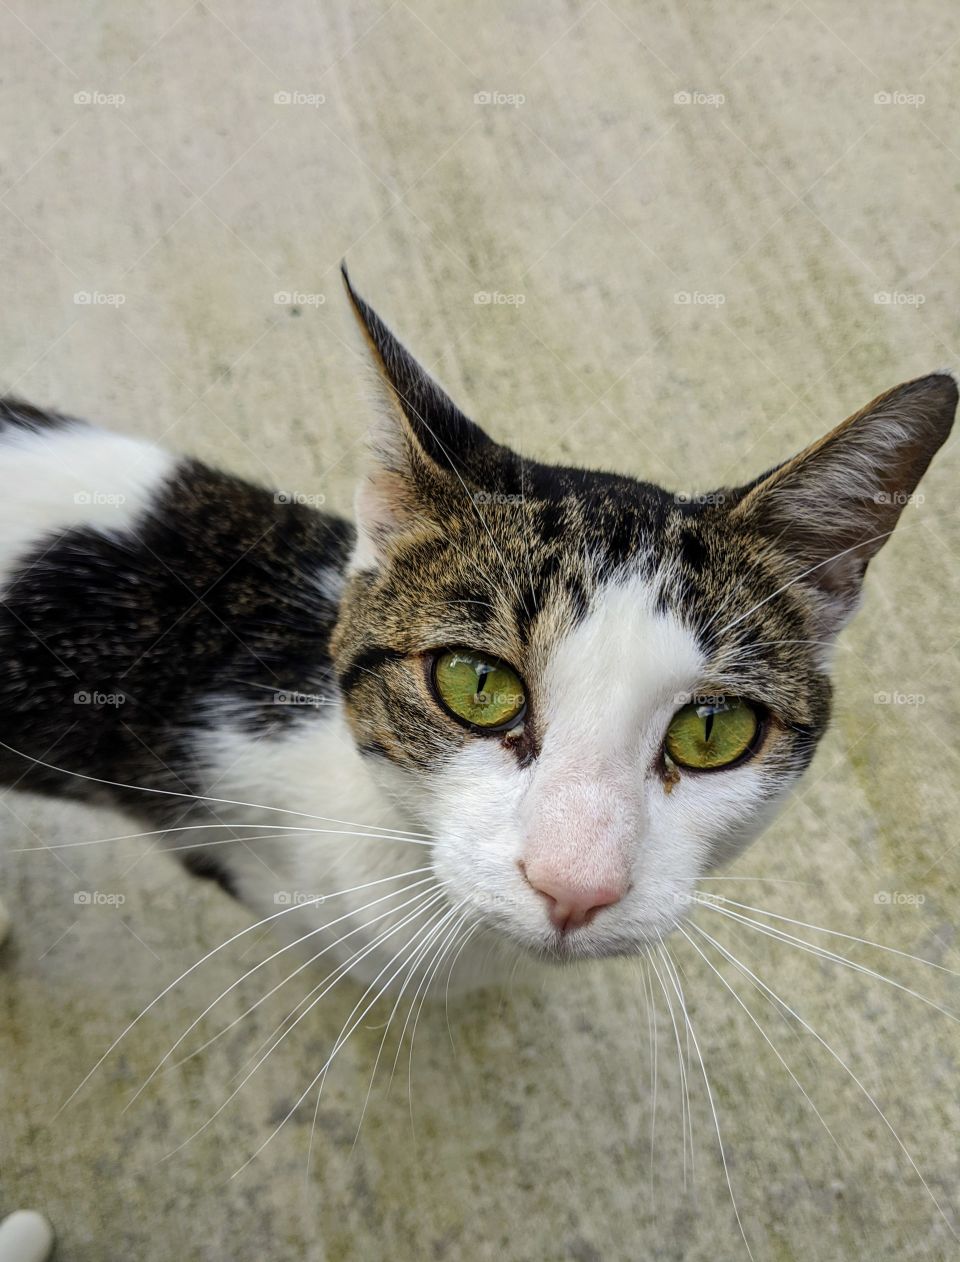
x=833, y=506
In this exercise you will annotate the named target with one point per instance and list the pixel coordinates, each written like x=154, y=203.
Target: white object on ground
x=25, y=1236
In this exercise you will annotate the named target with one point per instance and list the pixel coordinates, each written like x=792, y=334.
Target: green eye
x=477, y=689
x=707, y=735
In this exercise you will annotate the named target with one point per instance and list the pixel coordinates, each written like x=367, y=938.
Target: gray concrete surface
x=599, y=198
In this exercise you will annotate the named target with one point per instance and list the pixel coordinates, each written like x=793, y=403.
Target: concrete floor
x=601, y=200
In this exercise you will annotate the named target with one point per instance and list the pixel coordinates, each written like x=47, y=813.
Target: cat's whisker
x=386, y=1030
x=763, y=1034
x=840, y=1061
x=175, y=793
x=684, y=1093
x=836, y=933
x=713, y=1109
x=284, y=911
x=428, y=979
x=390, y=911
x=409, y=918
x=780, y=935
x=685, y=1064
x=453, y=964
x=286, y=830
x=770, y=880
x=651, y=1006
x=320, y=1076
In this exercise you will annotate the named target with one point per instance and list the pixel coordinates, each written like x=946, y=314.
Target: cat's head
x=591, y=690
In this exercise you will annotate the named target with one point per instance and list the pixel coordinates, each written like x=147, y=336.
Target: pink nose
x=570, y=906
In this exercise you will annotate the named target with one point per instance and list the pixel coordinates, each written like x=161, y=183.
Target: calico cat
x=515, y=697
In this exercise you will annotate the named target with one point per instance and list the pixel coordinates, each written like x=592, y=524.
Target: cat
x=523, y=702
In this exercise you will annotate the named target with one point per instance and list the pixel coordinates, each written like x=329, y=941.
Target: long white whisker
x=290, y=946
x=320, y=1075
x=763, y=1033
x=781, y=935
x=418, y=911
x=803, y=924
x=285, y=911
x=189, y=828
x=684, y=1093
x=716, y=1120
x=840, y=1061
x=174, y=793
x=669, y=962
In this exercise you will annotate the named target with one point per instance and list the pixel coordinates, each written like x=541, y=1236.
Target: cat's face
x=588, y=689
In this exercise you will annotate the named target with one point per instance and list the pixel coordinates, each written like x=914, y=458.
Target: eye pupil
x=708, y=736
x=479, y=690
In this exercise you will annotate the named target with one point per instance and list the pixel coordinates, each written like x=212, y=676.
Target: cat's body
x=234, y=668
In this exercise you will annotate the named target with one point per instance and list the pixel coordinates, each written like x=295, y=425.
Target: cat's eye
x=478, y=689
x=712, y=733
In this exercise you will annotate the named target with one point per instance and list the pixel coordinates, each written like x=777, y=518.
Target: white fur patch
x=57, y=479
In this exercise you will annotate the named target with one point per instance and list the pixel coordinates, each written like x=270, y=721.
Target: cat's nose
x=569, y=906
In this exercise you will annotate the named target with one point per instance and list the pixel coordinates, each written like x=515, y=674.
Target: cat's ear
x=424, y=448
x=833, y=506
